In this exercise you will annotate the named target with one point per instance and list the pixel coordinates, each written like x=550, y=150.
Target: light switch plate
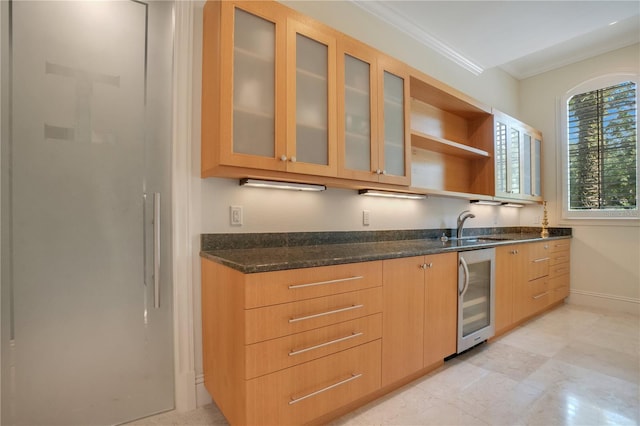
x=366, y=218
x=235, y=215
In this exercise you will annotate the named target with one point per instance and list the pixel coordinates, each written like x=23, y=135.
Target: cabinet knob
x=293, y=159
x=424, y=266
x=384, y=172
x=378, y=171
x=514, y=251
x=283, y=157
x=429, y=265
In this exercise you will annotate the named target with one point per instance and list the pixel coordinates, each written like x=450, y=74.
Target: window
x=601, y=154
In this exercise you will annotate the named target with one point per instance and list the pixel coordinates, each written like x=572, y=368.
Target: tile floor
x=572, y=366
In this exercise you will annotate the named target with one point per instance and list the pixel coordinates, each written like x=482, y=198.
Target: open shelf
x=444, y=146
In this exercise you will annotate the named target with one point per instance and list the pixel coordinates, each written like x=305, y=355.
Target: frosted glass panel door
x=394, y=137
x=526, y=165
x=537, y=183
x=85, y=148
x=357, y=106
x=312, y=140
x=254, y=85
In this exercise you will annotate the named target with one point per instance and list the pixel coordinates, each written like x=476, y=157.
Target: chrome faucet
x=461, y=219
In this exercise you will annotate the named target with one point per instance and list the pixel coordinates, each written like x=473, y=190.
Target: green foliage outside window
x=602, y=144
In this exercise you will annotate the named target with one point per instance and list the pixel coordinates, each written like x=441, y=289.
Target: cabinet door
x=510, y=284
x=357, y=111
x=501, y=157
x=514, y=153
x=252, y=112
x=311, y=100
x=403, y=318
x=441, y=303
x=394, y=147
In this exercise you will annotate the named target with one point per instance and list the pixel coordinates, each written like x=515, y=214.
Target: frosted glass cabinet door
x=254, y=87
x=311, y=101
x=536, y=164
x=252, y=96
x=357, y=114
x=526, y=165
x=357, y=111
x=393, y=150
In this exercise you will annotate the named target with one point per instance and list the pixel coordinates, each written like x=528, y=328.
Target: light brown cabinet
x=510, y=274
x=419, y=322
x=287, y=347
x=268, y=90
x=529, y=278
x=451, y=139
x=373, y=105
x=518, y=153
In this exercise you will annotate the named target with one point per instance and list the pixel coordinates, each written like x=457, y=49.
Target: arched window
x=600, y=149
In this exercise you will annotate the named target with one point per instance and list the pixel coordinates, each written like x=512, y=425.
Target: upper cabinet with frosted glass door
x=372, y=115
x=518, y=150
x=268, y=95
x=311, y=102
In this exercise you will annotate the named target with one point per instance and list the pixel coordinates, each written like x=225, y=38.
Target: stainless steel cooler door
x=476, y=297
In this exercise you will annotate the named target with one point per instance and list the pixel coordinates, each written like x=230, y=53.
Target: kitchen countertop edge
x=270, y=259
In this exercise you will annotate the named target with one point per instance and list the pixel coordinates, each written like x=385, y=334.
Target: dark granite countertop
x=252, y=253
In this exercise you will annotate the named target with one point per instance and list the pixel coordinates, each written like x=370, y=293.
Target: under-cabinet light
x=273, y=184
x=512, y=205
x=391, y=194
x=486, y=202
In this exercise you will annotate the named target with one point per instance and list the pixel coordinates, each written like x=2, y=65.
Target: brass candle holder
x=545, y=221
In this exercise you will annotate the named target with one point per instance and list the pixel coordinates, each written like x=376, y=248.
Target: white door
x=86, y=149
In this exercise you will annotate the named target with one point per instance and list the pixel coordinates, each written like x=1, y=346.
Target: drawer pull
x=540, y=260
x=540, y=295
x=336, y=311
x=335, y=385
x=321, y=345
x=339, y=280
x=561, y=245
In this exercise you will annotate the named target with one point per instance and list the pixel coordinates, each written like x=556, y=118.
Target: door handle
x=156, y=250
x=466, y=276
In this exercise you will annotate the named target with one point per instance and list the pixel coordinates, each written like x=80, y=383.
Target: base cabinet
x=287, y=347
x=300, y=345
x=530, y=278
x=419, y=320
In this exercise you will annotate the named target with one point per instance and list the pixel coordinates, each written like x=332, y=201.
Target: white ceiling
x=524, y=38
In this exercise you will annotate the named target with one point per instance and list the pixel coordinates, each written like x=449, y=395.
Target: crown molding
x=389, y=15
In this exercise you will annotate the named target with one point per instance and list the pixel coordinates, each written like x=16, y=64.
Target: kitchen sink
x=478, y=239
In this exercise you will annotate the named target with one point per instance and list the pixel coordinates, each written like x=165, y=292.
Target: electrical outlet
x=235, y=215
x=365, y=217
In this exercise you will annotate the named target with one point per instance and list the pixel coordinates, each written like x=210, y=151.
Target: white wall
x=605, y=258
x=338, y=209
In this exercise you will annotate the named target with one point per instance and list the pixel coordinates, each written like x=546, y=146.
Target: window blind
x=602, y=145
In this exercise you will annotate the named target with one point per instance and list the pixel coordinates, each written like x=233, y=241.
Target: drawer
x=539, y=250
x=269, y=288
x=557, y=258
x=302, y=393
x=557, y=246
x=560, y=269
x=538, y=268
x=539, y=295
x=281, y=320
x=538, y=287
x=559, y=293
x=559, y=281
x=277, y=354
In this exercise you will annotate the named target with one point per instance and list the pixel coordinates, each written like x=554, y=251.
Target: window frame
x=587, y=86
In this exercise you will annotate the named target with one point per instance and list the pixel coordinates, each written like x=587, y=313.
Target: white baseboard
x=202, y=396
x=605, y=301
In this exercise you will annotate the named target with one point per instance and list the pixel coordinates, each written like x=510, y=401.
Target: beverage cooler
x=476, y=297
